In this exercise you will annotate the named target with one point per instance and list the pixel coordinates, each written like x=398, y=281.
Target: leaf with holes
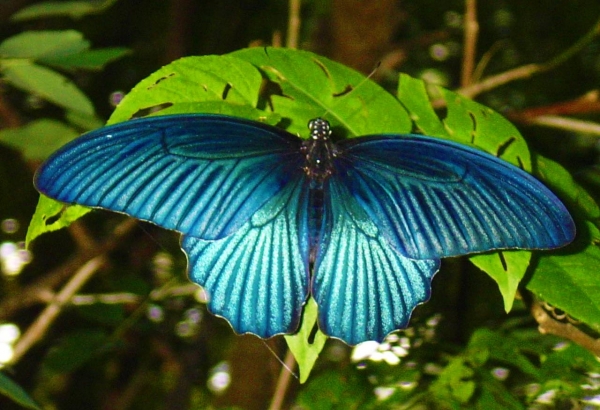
x=314, y=86
x=193, y=80
x=306, y=345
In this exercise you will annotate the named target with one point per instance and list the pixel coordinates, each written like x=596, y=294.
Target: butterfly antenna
x=349, y=89
x=284, y=364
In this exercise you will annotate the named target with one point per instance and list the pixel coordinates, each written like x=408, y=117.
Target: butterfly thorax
x=319, y=151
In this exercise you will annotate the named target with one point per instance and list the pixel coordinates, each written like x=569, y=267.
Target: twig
x=547, y=324
x=35, y=292
x=37, y=330
x=495, y=81
x=293, y=31
x=589, y=103
x=470, y=43
x=485, y=60
x=564, y=123
x=529, y=70
x=81, y=236
x=283, y=381
x=125, y=298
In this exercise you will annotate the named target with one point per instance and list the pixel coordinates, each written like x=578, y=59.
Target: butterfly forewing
x=202, y=175
x=433, y=198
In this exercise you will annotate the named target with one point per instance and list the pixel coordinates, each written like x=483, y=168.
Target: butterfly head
x=319, y=129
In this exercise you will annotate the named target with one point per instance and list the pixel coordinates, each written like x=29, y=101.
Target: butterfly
x=268, y=218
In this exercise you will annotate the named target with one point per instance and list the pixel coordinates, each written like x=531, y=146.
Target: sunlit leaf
x=305, y=350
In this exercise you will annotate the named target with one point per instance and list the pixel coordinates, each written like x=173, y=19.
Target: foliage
x=510, y=364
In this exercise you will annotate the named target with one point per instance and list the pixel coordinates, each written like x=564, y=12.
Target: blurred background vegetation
x=137, y=335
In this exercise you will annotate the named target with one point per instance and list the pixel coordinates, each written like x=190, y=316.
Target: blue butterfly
x=268, y=218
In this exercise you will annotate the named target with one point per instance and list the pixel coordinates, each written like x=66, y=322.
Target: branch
x=41, y=325
x=548, y=325
x=470, y=43
x=39, y=290
x=293, y=32
x=125, y=298
x=529, y=70
x=567, y=124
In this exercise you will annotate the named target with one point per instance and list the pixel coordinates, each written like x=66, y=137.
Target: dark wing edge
x=433, y=198
x=364, y=288
x=257, y=278
x=202, y=175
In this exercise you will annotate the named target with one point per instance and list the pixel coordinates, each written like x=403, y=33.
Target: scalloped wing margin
x=364, y=288
x=257, y=278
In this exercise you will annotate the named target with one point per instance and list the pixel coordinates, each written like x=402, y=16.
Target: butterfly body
x=268, y=218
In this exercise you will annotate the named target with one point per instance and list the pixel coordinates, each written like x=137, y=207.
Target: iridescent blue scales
x=268, y=218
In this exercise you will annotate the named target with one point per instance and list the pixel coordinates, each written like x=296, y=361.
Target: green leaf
x=40, y=44
x=503, y=348
x=334, y=390
x=314, y=86
x=193, y=80
x=305, y=352
x=16, y=393
x=106, y=314
x=413, y=95
x=225, y=108
x=51, y=215
x=572, y=362
x=566, y=279
x=569, y=281
x=579, y=201
x=466, y=121
x=493, y=394
x=507, y=268
x=38, y=139
x=73, y=9
x=74, y=350
x=87, y=59
x=473, y=124
x=455, y=383
x=83, y=121
x=49, y=85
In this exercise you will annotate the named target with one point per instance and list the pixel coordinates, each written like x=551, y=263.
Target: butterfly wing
x=364, y=287
x=257, y=278
x=203, y=175
x=433, y=198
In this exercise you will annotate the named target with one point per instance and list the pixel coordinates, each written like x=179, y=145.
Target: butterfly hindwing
x=364, y=287
x=257, y=278
x=203, y=175
x=433, y=198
